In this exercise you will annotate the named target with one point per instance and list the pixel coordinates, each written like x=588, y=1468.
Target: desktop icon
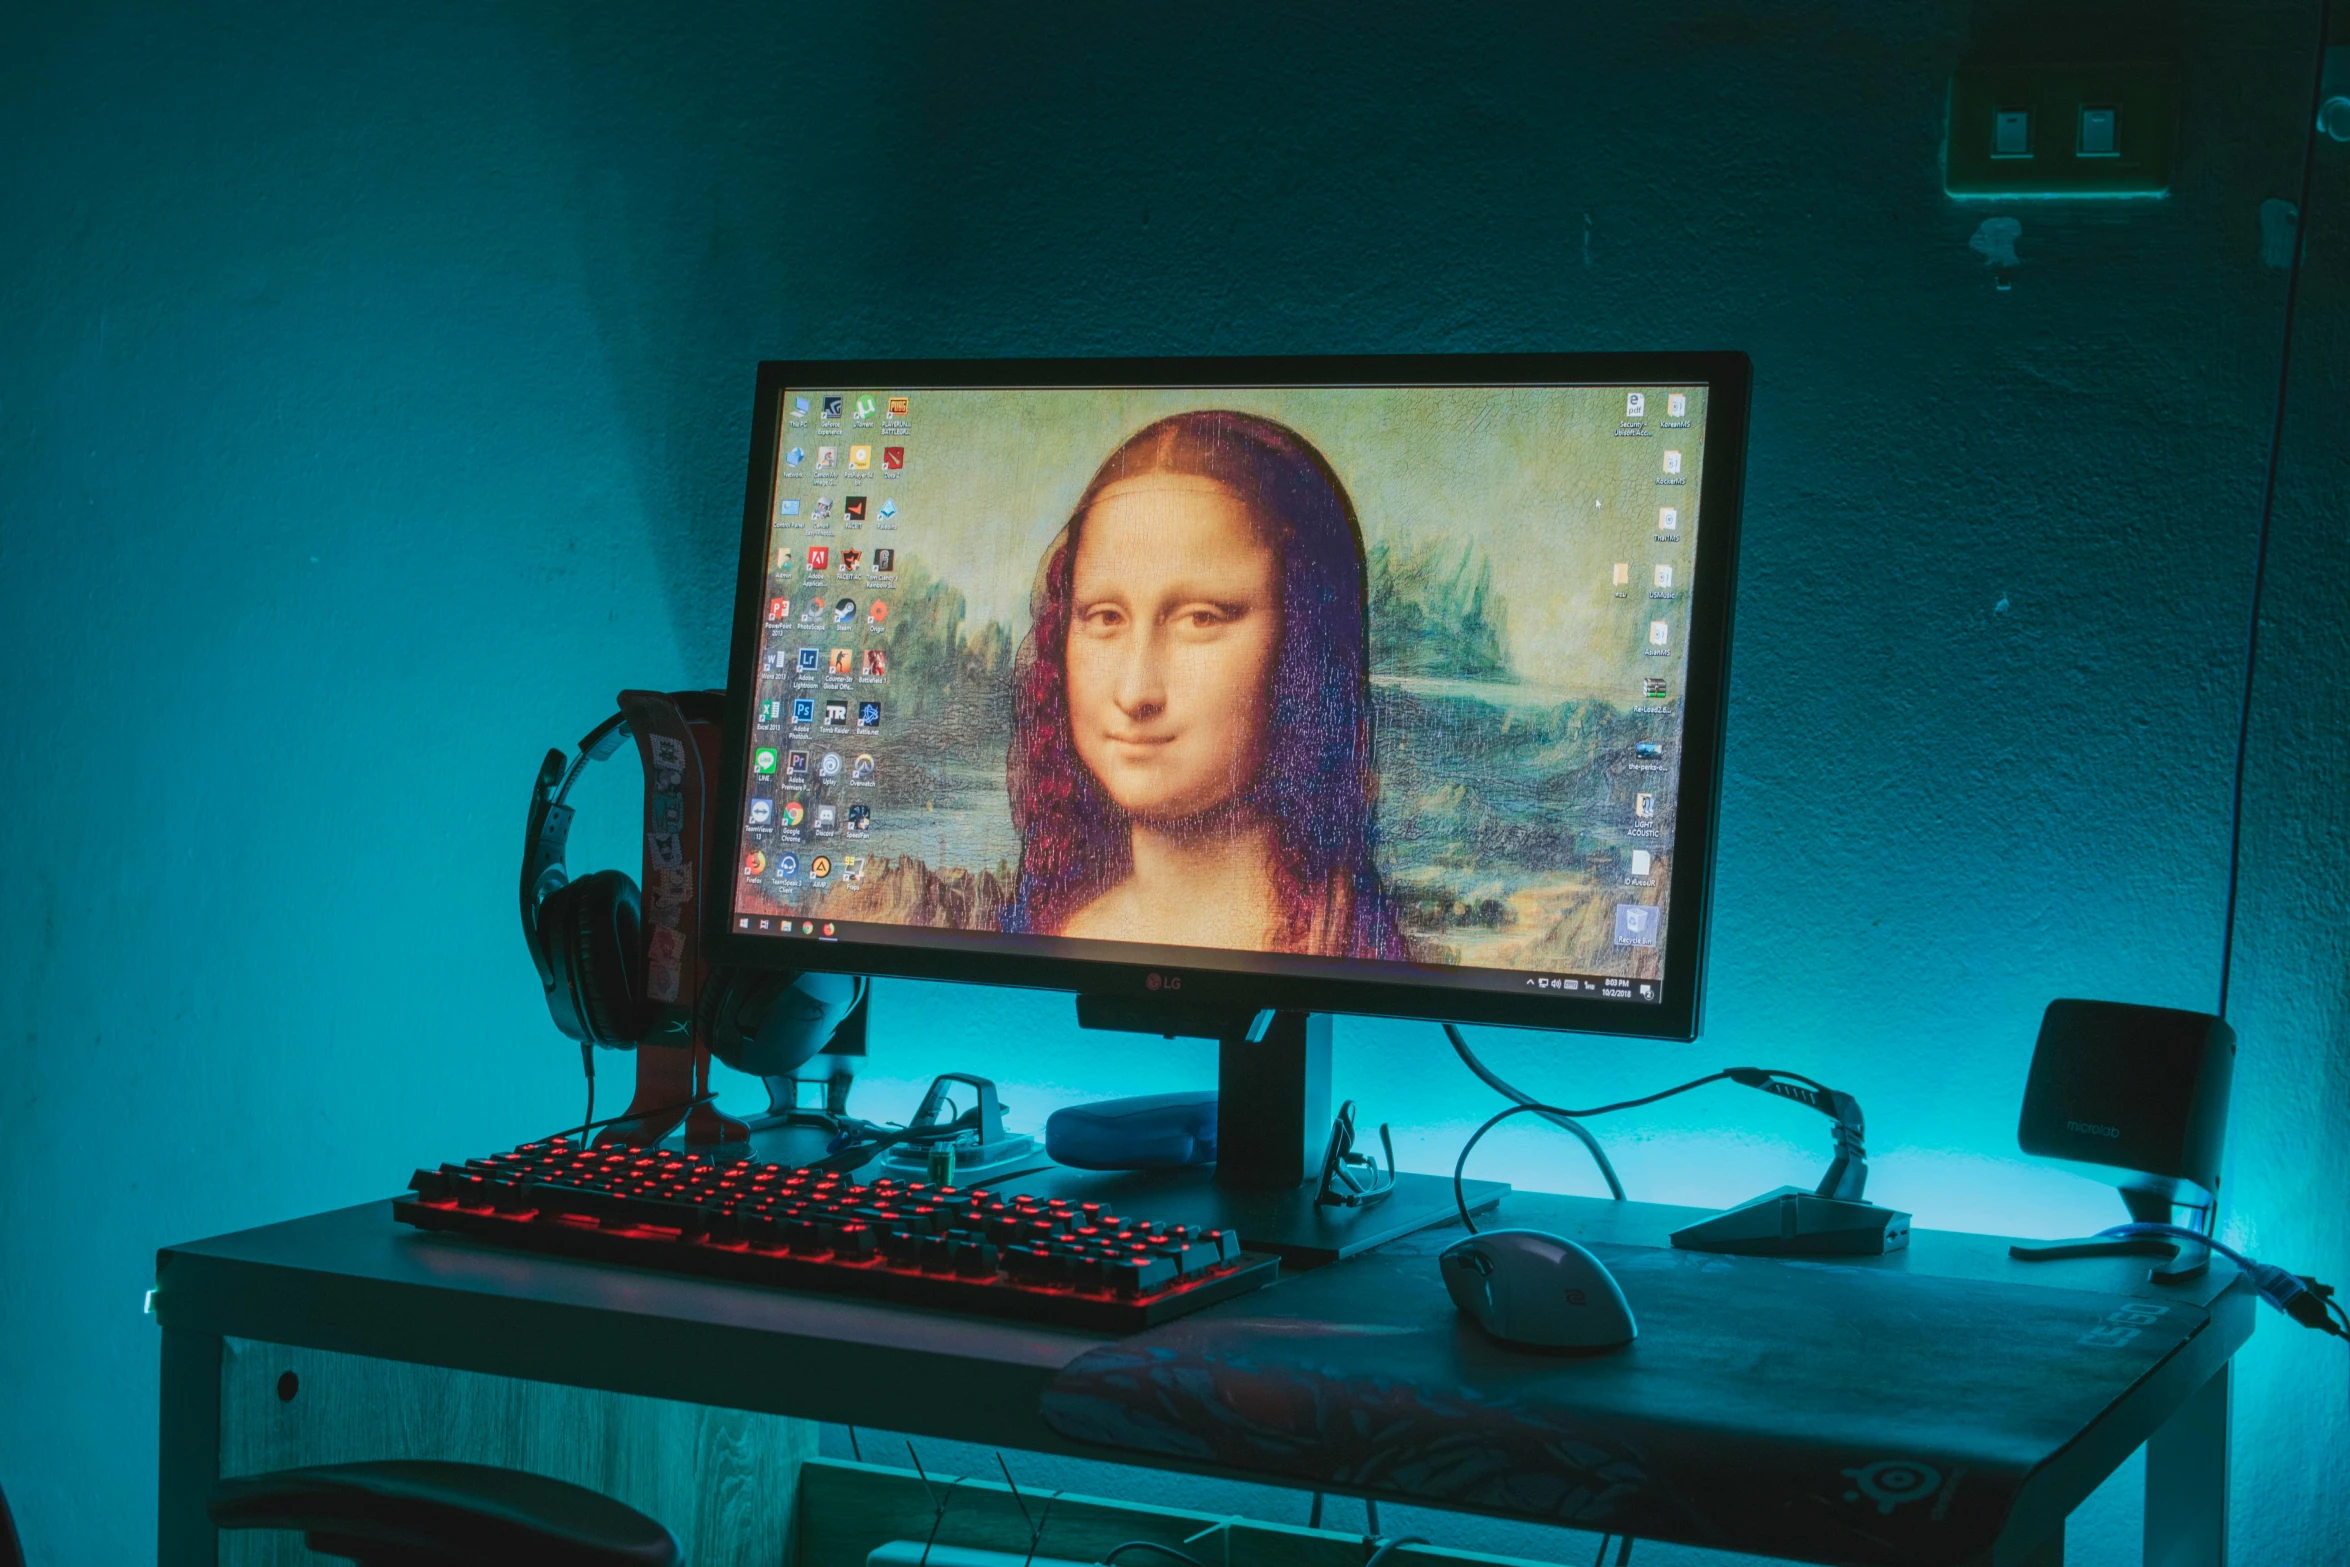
x=885, y=561
x=827, y=456
x=844, y=661
x=853, y=508
x=850, y=560
x=762, y=811
x=861, y=770
x=1644, y=806
x=795, y=767
x=830, y=766
x=877, y=614
x=823, y=508
x=1659, y=633
x=755, y=864
x=807, y=927
x=771, y=711
x=1672, y=462
x=763, y=759
x=1668, y=519
x=809, y=657
x=783, y=557
x=900, y=406
x=852, y=868
x=1635, y=404
x=893, y=458
x=1642, y=862
x=796, y=456
x=836, y=712
x=865, y=406
x=1648, y=750
x=876, y=663
x=889, y=506
x=1677, y=405
x=824, y=818
x=868, y=715
x=803, y=709
x=860, y=820
x=1623, y=573
x=861, y=458
x=799, y=407
x=844, y=612
x=787, y=865
x=788, y=508
x=819, y=556
x=1664, y=575
x=794, y=813
x=819, y=868
x=778, y=609
x=832, y=408
x=1635, y=925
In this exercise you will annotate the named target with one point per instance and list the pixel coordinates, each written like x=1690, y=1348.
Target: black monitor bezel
x=1727, y=377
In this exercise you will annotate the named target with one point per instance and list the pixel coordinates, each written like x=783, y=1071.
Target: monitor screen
x=1385, y=687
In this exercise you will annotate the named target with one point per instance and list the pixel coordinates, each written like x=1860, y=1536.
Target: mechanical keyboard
x=992, y=1253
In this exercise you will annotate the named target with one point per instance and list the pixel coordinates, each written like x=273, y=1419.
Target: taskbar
x=1603, y=987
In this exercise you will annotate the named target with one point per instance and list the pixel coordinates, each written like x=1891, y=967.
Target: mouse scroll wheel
x=1478, y=1263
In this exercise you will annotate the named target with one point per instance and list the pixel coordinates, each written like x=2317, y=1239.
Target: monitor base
x=1282, y=1220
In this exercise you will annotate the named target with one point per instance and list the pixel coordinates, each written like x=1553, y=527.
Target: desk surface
x=355, y=1281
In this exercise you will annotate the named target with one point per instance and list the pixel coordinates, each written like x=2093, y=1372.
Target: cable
x=1314, y=1516
x=2268, y=506
x=854, y=1451
x=1492, y=1080
x=1601, y=1559
x=630, y=1114
x=1111, y=1555
x=2303, y=1299
x=1385, y=1546
x=1460, y=1198
x=1371, y=1517
x=587, y=1064
x=1624, y=1552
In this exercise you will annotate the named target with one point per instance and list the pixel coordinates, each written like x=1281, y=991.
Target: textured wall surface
x=373, y=399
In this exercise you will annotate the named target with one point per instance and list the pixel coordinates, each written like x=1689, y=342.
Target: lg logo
x=1164, y=981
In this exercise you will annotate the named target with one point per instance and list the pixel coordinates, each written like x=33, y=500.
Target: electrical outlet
x=2061, y=130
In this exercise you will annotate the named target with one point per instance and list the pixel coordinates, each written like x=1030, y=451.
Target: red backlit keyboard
x=1070, y=1264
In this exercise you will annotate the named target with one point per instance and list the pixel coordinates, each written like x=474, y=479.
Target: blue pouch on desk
x=1151, y=1132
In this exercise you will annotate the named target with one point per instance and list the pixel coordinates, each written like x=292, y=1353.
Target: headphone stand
x=668, y=1080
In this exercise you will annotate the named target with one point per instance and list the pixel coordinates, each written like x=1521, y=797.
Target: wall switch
x=2061, y=130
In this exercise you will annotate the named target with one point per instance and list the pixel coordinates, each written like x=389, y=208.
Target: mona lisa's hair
x=1317, y=783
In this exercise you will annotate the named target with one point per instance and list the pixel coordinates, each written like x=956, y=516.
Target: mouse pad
x=1811, y=1409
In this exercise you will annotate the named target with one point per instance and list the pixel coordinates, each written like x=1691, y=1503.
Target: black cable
x=1314, y=1517
x=1624, y=1552
x=1111, y=1555
x=1460, y=1199
x=1492, y=1080
x=631, y=1115
x=854, y=1451
x=1385, y=1546
x=1370, y=1517
x=587, y=1064
x=1601, y=1559
x=2268, y=503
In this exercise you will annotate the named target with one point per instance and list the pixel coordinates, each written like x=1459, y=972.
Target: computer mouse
x=1537, y=1291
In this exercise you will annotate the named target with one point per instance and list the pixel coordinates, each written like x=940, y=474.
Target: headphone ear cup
x=600, y=928
x=767, y=1023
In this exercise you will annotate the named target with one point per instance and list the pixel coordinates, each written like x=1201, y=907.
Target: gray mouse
x=1537, y=1291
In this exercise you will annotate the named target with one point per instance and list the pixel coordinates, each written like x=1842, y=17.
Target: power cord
x=1110, y=1556
x=1385, y=1546
x=2298, y=1296
x=1567, y=1123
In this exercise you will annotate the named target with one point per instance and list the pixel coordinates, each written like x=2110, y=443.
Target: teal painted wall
x=373, y=402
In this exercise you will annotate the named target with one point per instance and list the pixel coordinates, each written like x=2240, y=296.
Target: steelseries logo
x=2092, y=1129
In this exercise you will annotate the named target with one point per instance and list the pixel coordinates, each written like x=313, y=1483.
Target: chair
x=426, y=1513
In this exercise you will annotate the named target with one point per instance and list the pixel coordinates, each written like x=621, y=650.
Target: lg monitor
x=1213, y=687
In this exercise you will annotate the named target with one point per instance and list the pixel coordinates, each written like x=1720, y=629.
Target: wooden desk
x=351, y=1295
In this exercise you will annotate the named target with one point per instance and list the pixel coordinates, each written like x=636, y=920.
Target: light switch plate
x=2136, y=114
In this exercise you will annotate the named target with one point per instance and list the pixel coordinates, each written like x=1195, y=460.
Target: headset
x=586, y=940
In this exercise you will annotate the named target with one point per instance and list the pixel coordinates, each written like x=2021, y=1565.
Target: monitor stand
x=1273, y=1117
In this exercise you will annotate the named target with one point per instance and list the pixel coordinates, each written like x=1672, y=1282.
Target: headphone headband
x=549, y=829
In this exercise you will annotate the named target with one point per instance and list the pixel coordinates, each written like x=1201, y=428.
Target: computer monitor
x=1375, y=685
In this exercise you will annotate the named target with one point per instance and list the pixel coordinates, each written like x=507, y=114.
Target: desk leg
x=188, y=1452
x=2187, y=1482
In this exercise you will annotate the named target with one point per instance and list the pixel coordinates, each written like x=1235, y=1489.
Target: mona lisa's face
x=1174, y=624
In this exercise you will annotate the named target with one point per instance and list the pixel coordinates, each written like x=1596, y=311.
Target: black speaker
x=2137, y=1096
x=2140, y=1090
